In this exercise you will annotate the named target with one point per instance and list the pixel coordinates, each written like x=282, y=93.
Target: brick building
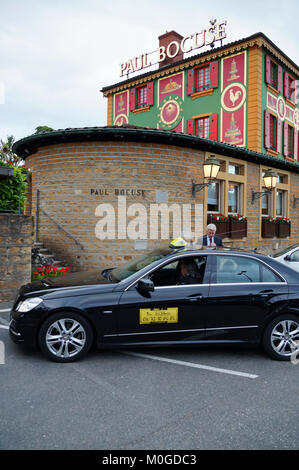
x=78, y=174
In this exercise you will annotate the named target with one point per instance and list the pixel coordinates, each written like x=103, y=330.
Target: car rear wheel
x=281, y=337
x=65, y=337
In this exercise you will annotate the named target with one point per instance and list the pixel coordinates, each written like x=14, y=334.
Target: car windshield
x=285, y=250
x=121, y=273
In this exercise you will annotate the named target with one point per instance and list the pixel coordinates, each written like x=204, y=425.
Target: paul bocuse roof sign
x=191, y=42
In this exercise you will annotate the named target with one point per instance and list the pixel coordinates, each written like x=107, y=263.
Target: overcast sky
x=56, y=55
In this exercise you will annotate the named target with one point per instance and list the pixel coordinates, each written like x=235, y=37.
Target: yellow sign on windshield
x=158, y=315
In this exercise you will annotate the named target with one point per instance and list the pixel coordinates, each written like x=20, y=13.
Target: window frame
x=273, y=132
x=283, y=202
x=204, y=70
x=220, y=198
x=205, y=278
x=273, y=71
x=291, y=142
x=260, y=263
x=141, y=90
x=239, y=197
x=206, y=128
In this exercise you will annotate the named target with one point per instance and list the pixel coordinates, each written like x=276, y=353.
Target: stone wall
x=16, y=240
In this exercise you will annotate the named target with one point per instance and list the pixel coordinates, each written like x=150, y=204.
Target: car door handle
x=265, y=293
x=193, y=299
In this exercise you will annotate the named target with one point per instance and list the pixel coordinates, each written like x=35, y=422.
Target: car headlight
x=28, y=304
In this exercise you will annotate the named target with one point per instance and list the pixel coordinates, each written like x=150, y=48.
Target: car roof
x=205, y=250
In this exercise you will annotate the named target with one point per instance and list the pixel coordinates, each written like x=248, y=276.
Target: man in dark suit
x=210, y=239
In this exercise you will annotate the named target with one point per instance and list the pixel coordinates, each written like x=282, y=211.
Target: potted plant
x=237, y=226
x=268, y=227
x=283, y=227
x=221, y=222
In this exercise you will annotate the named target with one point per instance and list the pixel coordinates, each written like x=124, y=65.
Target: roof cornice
x=30, y=145
x=258, y=39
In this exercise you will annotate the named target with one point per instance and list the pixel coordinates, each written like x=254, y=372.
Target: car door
x=171, y=313
x=243, y=291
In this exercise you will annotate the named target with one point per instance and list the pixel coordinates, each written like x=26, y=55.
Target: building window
x=289, y=87
x=233, y=198
x=290, y=141
x=214, y=197
x=273, y=132
x=142, y=97
x=281, y=178
x=202, y=127
x=202, y=79
x=234, y=169
x=280, y=203
x=273, y=74
x=266, y=198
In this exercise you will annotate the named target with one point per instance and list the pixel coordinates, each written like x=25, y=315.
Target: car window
x=295, y=256
x=234, y=269
x=132, y=267
x=189, y=270
x=268, y=275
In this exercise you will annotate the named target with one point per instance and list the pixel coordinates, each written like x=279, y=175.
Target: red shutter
x=278, y=143
x=279, y=79
x=286, y=85
x=213, y=129
x=214, y=74
x=296, y=143
x=150, y=94
x=267, y=130
x=268, y=69
x=190, y=81
x=132, y=99
x=190, y=126
x=285, y=139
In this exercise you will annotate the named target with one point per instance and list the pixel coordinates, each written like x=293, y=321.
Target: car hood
x=80, y=278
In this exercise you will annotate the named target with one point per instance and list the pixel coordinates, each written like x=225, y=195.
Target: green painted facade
x=227, y=102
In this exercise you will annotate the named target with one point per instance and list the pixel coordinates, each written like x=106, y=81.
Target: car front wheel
x=65, y=337
x=281, y=337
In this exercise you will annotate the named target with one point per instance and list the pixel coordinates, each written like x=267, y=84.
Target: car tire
x=65, y=337
x=280, y=337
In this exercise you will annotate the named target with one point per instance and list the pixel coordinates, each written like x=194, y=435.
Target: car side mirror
x=288, y=258
x=145, y=285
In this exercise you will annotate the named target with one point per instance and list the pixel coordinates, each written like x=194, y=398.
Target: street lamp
x=270, y=181
x=211, y=168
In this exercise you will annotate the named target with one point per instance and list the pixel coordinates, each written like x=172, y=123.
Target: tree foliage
x=13, y=189
x=40, y=129
x=7, y=154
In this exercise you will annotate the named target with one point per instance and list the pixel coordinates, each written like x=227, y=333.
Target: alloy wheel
x=65, y=338
x=285, y=337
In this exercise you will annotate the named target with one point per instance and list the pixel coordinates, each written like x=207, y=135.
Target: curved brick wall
x=79, y=170
x=66, y=173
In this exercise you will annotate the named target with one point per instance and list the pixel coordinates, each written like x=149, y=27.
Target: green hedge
x=13, y=189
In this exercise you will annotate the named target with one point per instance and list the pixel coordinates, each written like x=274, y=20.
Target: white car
x=289, y=256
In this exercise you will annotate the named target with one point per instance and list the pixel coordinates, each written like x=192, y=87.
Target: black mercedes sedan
x=164, y=297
